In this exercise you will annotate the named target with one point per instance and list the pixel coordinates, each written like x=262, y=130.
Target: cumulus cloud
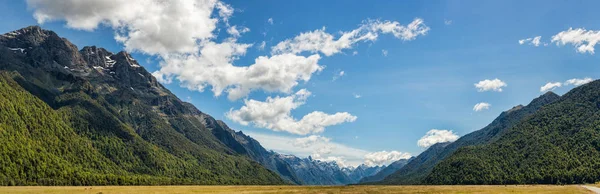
x=550, y=86
x=490, y=85
x=321, y=41
x=578, y=82
x=584, y=40
x=436, y=136
x=384, y=52
x=319, y=149
x=357, y=96
x=535, y=41
x=481, y=106
x=149, y=26
x=270, y=21
x=183, y=35
x=279, y=73
x=384, y=157
x=275, y=114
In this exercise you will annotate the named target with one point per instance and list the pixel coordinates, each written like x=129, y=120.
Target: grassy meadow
x=299, y=189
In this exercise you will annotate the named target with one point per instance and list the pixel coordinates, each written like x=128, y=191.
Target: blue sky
x=424, y=82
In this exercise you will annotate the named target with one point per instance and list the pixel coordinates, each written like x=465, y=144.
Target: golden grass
x=300, y=189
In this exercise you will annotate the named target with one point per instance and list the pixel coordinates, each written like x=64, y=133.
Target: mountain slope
x=560, y=143
x=362, y=171
x=416, y=170
x=317, y=172
x=246, y=145
x=134, y=122
x=390, y=169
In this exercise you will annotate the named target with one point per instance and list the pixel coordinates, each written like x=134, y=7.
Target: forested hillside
x=416, y=170
x=92, y=117
x=558, y=144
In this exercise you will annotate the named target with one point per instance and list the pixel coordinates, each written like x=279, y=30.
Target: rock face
x=416, y=170
x=316, y=172
x=111, y=101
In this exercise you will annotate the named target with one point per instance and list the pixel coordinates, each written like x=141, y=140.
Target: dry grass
x=300, y=189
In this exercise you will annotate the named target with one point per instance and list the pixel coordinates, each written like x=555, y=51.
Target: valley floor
x=301, y=189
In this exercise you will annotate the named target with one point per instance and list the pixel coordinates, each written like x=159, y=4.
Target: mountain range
x=89, y=116
x=93, y=117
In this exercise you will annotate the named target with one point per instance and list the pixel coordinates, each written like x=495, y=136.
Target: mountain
x=393, y=167
x=362, y=171
x=246, y=145
x=558, y=144
x=415, y=171
x=93, y=117
x=317, y=172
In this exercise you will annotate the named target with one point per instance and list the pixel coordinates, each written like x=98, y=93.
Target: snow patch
x=17, y=49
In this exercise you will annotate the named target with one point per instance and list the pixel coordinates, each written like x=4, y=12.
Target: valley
x=545, y=189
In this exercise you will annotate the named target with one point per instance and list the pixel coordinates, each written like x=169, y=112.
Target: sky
x=346, y=81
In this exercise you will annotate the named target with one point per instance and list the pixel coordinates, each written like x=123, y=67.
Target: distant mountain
x=416, y=170
x=93, y=117
x=316, y=172
x=393, y=167
x=558, y=144
x=246, y=145
x=362, y=171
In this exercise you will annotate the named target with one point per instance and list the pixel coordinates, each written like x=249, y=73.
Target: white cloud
x=578, y=82
x=338, y=152
x=384, y=52
x=535, y=41
x=447, y=22
x=481, y=106
x=182, y=34
x=436, y=136
x=584, y=40
x=235, y=32
x=270, y=21
x=357, y=96
x=279, y=73
x=321, y=41
x=384, y=157
x=275, y=114
x=149, y=26
x=493, y=85
x=550, y=86
x=262, y=45
x=337, y=75
x=354, y=53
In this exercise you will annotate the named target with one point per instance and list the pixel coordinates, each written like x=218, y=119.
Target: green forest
x=559, y=144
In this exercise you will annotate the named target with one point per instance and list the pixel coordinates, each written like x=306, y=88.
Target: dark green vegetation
x=91, y=117
x=558, y=144
x=416, y=170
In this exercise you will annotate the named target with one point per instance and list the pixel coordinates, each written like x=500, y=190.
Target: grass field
x=300, y=189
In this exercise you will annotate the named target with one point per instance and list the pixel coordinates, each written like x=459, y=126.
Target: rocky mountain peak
x=98, y=58
x=45, y=48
